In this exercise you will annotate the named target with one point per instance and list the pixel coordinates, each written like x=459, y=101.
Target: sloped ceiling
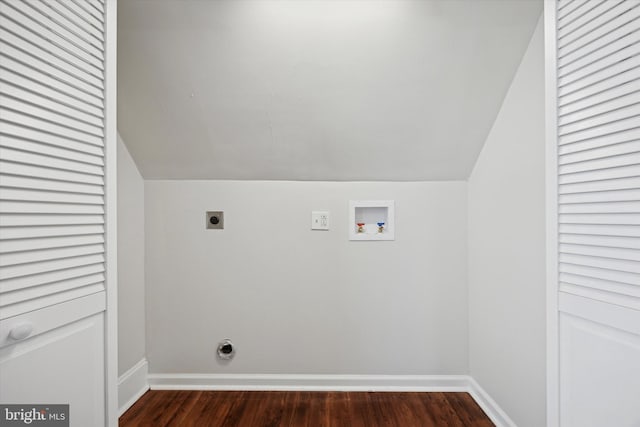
x=387, y=90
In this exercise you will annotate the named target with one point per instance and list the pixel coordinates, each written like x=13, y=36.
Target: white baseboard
x=489, y=406
x=132, y=385
x=275, y=382
x=288, y=382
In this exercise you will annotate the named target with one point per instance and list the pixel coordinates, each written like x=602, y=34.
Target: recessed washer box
x=371, y=220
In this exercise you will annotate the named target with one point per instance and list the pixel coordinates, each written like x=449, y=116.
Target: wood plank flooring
x=303, y=409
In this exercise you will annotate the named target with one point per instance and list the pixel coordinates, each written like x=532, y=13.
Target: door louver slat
x=28, y=158
x=37, y=219
x=602, y=251
x=578, y=36
x=605, y=38
x=87, y=21
x=11, y=168
x=56, y=37
x=51, y=243
x=77, y=75
x=626, y=99
x=71, y=29
x=9, y=181
x=567, y=7
x=75, y=60
x=93, y=7
x=29, y=97
x=49, y=150
x=34, y=86
x=49, y=254
x=65, y=123
x=26, y=67
x=591, y=10
x=607, y=241
x=606, y=55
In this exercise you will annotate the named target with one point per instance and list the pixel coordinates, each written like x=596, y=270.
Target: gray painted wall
x=507, y=250
x=131, y=304
x=305, y=90
x=302, y=301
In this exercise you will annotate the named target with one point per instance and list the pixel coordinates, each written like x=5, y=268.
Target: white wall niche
x=370, y=213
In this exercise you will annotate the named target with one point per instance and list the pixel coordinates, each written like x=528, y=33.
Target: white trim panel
x=132, y=385
x=551, y=184
x=489, y=406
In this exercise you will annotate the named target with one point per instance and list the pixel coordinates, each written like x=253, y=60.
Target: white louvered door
x=53, y=163
x=593, y=54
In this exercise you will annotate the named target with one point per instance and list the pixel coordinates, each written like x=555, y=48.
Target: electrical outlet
x=320, y=220
x=215, y=220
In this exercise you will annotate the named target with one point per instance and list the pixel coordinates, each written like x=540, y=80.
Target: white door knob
x=20, y=332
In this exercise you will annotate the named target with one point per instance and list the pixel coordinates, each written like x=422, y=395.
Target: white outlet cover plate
x=320, y=220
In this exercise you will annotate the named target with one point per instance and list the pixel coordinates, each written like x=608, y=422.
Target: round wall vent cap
x=226, y=350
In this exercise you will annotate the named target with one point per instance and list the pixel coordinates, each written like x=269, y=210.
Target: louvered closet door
x=597, y=155
x=52, y=204
x=51, y=152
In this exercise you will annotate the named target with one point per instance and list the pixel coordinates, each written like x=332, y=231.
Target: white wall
x=131, y=304
x=301, y=301
x=507, y=250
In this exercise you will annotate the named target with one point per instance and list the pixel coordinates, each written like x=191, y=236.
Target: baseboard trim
x=488, y=405
x=132, y=385
x=309, y=382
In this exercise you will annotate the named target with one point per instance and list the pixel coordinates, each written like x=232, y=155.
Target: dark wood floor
x=312, y=409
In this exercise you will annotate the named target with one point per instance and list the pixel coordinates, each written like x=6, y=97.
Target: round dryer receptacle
x=226, y=350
